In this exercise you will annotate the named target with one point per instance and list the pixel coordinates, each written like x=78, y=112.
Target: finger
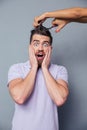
x=59, y=23
x=31, y=51
x=59, y=28
x=39, y=20
x=49, y=52
x=55, y=24
x=35, y=23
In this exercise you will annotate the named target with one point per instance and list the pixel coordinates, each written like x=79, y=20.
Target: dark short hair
x=41, y=30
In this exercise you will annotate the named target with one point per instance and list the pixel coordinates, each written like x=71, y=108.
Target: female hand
x=60, y=23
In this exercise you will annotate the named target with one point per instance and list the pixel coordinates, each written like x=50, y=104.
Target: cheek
x=34, y=48
x=47, y=49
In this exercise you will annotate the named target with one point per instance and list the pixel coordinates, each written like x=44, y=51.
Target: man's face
x=40, y=44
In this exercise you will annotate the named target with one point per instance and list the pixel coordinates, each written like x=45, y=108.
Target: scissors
x=41, y=22
x=51, y=27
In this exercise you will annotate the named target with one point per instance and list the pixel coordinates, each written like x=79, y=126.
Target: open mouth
x=40, y=56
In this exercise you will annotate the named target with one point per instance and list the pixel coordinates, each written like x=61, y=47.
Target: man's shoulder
x=60, y=72
x=58, y=67
x=18, y=70
x=19, y=65
x=22, y=66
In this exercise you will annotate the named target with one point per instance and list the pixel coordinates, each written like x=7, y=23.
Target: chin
x=39, y=63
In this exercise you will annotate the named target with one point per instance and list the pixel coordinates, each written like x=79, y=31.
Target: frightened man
x=37, y=86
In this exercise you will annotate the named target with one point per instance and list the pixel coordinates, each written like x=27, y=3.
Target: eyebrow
x=39, y=41
x=35, y=40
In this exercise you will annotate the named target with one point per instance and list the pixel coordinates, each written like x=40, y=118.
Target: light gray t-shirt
x=39, y=112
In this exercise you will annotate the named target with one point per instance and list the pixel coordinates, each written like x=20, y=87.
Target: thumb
x=59, y=28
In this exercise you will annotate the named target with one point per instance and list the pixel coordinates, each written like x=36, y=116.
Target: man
x=63, y=17
x=38, y=86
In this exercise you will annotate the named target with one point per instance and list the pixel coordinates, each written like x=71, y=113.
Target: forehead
x=40, y=38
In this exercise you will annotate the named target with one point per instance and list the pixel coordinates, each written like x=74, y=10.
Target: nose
x=40, y=47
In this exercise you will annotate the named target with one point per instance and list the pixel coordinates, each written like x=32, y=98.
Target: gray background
x=69, y=49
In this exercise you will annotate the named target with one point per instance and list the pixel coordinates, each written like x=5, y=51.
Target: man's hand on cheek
x=32, y=57
x=47, y=58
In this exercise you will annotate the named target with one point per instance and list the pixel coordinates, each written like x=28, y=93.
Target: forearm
x=80, y=20
x=70, y=13
x=57, y=92
x=21, y=91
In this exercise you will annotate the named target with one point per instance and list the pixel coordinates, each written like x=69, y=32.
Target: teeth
x=39, y=55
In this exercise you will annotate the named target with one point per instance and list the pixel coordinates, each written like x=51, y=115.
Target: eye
x=45, y=44
x=36, y=44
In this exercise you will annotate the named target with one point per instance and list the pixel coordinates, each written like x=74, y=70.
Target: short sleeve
x=62, y=73
x=14, y=72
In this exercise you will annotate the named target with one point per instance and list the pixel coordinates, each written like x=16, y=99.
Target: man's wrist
x=44, y=68
x=34, y=67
